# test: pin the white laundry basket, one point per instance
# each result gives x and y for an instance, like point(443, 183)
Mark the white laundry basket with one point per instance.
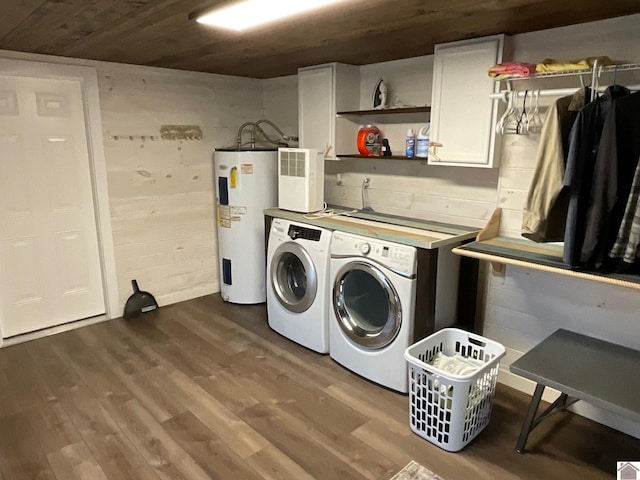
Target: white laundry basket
point(446, 409)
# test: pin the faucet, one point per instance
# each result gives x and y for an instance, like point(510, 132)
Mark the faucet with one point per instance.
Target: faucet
point(365, 184)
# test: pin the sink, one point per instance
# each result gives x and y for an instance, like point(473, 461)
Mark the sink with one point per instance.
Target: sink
point(399, 221)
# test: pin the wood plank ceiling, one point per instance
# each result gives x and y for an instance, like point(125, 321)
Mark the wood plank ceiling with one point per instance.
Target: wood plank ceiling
point(159, 32)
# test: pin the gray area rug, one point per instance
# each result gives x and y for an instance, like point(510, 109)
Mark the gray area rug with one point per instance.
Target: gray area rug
point(415, 471)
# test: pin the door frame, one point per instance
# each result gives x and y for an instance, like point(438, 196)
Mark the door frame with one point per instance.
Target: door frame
point(88, 79)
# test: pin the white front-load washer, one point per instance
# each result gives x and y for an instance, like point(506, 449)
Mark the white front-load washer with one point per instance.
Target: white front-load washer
point(373, 296)
point(297, 283)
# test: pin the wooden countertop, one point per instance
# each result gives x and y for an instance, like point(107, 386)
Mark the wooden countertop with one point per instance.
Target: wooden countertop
point(414, 232)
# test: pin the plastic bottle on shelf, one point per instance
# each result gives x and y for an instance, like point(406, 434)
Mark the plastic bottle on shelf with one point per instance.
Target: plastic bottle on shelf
point(410, 143)
point(422, 142)
point(369, 139)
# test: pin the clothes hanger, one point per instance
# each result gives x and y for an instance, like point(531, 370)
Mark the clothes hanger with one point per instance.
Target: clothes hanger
point(511, 118)
point(523, 120)
point(503, 118)
point(595, 77)
point(535, 121)
point(615, 88)
point(530, 120)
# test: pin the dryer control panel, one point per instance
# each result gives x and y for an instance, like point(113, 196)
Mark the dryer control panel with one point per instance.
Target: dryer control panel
point(392, 255)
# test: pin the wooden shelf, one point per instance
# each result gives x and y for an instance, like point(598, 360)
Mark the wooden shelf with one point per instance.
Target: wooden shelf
point(376, 157)
point(388, 111)
point(547, 257)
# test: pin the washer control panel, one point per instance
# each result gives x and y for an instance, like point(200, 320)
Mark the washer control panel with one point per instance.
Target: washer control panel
point(313, 238)
point(393, 255)
point(298, 231)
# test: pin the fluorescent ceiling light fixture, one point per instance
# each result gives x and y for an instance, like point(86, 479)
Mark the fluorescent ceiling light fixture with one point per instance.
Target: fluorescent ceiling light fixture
point(249, 13)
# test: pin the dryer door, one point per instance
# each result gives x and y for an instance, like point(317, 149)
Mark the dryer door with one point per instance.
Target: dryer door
point(293, 277)
point(367, 305)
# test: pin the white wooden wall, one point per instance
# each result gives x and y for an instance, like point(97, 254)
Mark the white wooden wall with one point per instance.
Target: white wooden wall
point(280, 100)
point(162, 197)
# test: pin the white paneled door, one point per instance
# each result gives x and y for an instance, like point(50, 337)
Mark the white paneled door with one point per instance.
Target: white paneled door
point(50, 270)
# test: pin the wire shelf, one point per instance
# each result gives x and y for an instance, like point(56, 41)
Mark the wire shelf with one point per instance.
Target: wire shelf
point(571, 73)
point(595, 73)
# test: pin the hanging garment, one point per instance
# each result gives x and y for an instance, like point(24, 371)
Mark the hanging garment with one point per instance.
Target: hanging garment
point(584, 140)
point(612, 178)
point(627, 245)
point(545, 210)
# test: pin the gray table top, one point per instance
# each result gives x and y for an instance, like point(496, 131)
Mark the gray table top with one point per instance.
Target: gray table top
point(598, 372)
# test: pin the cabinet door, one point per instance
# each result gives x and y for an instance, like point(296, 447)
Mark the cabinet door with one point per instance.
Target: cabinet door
point(316, 108)
point(462, 114)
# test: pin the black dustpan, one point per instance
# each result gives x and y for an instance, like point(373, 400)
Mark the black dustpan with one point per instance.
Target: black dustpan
point(139, 302)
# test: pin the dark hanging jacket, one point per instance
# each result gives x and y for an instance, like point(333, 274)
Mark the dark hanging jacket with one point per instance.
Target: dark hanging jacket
point(584, 140)
point(613, 174)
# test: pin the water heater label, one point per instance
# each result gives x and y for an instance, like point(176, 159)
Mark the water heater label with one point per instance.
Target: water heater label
point(224, 217)
point(247, 168)
point(238, 210)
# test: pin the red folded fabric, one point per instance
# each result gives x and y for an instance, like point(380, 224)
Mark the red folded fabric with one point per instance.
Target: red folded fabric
point(513, 69)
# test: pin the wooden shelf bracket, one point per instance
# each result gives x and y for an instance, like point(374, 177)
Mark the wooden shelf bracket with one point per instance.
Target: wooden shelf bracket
point(490, 230)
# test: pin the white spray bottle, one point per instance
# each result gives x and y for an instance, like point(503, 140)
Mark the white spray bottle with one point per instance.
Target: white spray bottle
point(422, 142)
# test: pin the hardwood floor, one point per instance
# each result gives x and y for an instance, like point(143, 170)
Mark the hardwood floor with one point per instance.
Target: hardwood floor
point(204, 389)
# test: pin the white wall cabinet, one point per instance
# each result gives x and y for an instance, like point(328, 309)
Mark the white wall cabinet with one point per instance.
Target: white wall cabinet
point(462, 115)
point(323, 90)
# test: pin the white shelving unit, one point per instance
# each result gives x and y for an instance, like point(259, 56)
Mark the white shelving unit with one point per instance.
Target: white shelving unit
point(322, 91)
point(393, 123)
point(462, 118)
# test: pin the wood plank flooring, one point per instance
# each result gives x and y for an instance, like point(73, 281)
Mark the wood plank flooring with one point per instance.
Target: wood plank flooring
point(205, 390)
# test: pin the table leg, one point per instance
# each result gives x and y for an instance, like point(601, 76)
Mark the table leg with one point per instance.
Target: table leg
point(528, 421)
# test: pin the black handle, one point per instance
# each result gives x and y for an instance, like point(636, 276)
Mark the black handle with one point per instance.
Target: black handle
point(134, 284)
point(477, 342)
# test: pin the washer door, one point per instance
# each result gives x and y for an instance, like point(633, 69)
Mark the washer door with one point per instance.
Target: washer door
point(293, 277)
point(367, 305)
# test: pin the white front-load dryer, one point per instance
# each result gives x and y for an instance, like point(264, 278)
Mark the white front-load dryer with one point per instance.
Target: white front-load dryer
point(297, 283)
point(373, 284)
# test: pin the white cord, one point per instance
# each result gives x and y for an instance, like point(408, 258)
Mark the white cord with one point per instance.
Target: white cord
point(326, 212)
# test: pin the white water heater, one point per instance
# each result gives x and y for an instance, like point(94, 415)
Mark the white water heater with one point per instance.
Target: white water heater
point(300, 179)
point(246, 184)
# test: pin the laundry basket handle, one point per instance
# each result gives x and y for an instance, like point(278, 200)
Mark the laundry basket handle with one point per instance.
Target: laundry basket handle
point(477, 342)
